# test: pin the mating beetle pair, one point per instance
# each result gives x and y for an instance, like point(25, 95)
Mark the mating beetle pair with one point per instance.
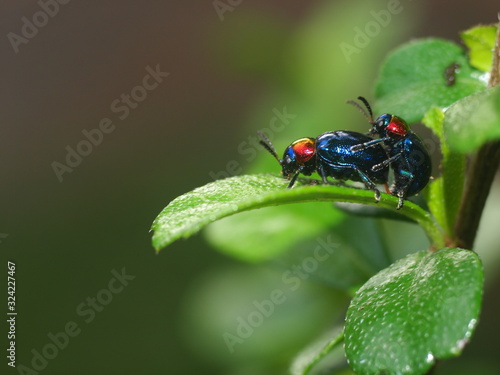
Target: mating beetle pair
point(348, 155)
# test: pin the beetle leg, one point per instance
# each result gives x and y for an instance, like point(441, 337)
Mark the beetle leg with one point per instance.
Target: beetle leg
point(400, 192)
point(321, 172)
point(386, 162)
point(363, 146)
point(369, 183)
point(294, 178)
point(401, 200)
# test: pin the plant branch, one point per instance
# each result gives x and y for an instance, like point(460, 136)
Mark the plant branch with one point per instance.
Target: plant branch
point(495, 69)
point(339, 339)
point(482, 173)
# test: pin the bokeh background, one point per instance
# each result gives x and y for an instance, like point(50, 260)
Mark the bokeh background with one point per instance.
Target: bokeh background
point(228, 69)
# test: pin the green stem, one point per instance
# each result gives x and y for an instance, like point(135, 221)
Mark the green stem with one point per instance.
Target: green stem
point(482, 172)
point(327, 349)
point(495, 69)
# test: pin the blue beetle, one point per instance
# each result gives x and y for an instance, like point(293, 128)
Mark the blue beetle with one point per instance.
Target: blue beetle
point(407, 154)
point(330, 155)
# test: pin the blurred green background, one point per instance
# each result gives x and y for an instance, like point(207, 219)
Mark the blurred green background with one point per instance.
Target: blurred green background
point(231, 67)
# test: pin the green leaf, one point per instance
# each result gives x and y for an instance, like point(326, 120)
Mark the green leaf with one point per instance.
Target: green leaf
point(473, 121)
point(422, 308)
point(262, 234)
point(412, 79)
point(290, 234)
point(445, 192)
point(339, 258)
point(362, 210)
point(480, 41)
point(189, 213)
point(329, 252)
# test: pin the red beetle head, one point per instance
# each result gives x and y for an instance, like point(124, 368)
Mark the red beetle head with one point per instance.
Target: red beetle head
point(390, 126)
point(299, 156)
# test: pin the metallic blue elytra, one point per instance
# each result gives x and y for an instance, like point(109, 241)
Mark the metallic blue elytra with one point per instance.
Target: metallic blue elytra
point(335, 158)
point(407, 154)
point(330, 155)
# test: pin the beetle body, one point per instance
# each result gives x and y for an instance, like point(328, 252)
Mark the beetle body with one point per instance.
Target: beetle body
point(330, 155)
point(408, 155)
point(335, 158)
point(412, 169)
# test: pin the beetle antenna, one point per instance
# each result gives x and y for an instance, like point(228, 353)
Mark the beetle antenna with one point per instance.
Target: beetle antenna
point(266, 143)
point(367, 114)
point(368, 107)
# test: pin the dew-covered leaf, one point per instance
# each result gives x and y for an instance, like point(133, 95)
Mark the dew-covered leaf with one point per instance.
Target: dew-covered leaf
point(189, 213)
point(422, 308)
